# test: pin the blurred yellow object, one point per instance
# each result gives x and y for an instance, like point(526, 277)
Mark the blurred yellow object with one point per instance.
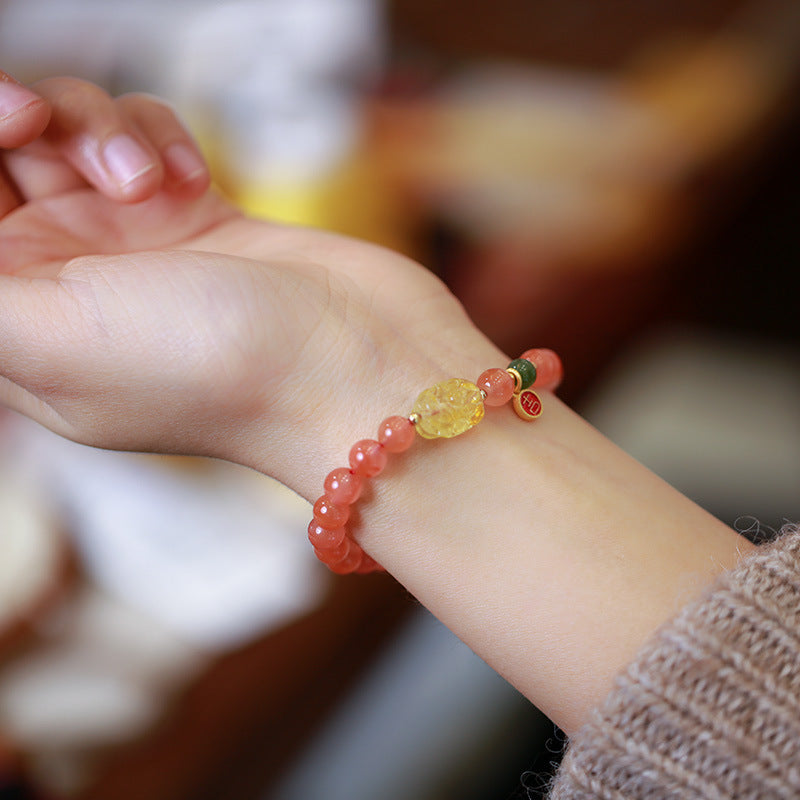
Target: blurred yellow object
point(351, 199)
point(293, 203)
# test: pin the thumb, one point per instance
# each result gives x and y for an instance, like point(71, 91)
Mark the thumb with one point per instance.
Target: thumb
point(33, 326)
point(23, 113)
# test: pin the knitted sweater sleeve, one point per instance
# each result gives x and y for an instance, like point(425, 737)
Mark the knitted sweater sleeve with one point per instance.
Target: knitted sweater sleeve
point(710, 707)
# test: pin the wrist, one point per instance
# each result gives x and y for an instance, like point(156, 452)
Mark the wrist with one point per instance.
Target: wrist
point(305, 428)
point(544, 548)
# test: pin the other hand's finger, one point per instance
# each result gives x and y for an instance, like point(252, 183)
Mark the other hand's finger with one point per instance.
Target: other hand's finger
point(23, 117)
point(185, 170)
point(100, 143)
point(23, 113)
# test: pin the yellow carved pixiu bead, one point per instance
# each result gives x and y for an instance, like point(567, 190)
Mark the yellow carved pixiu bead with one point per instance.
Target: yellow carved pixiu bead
point(448, 409)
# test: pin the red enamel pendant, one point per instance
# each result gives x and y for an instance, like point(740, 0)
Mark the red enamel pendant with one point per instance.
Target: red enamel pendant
point(527, 405)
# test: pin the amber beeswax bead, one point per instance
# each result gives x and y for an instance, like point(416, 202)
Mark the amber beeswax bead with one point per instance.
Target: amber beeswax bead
point(549, 369)
point(448, 409)
point(498, 386)
point(343, 486)
point(396, 434)
point(368, 457)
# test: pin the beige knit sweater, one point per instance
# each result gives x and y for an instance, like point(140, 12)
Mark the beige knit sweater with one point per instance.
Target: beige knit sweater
point(710, 708)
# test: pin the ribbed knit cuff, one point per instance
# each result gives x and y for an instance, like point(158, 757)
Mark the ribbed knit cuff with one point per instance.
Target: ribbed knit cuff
point(710, 707)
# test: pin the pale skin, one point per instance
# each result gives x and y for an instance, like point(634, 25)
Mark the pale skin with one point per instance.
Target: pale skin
point(140, 311)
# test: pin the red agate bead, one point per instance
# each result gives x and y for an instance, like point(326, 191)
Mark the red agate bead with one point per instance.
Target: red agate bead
point(368, 457)
point(325, 538)
point(343, 486)
point(396, 434)
point(350, 563)
point(332, 555)
point(498, 386)
point(549, 369)
point(329, 514)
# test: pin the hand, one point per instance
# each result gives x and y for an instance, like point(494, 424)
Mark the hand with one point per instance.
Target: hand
point(174, 324)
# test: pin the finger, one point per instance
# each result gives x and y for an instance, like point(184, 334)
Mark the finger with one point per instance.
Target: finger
point(23, 117)
point(37, 170)
point(185, 170)
point(23, 113)
point(99, 142)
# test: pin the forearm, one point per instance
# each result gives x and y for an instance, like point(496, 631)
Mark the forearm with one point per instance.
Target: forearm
point(544, 547)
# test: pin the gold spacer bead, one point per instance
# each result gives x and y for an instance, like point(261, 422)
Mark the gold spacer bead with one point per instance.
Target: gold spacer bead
point(517, 379)
point(414, 418)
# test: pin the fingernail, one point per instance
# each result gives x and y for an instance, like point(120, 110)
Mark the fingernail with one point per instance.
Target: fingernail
point(183, 162)
point(13, 98)
point(126, 159)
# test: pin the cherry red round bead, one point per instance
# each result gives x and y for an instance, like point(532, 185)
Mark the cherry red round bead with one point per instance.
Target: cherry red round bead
point(396, 434)
point(332, 555)
point(368, 458)
point(325, 538)
point(343, 486)
point(498, 386)
point(329, 514)
point(549, 369)
point(350, 563)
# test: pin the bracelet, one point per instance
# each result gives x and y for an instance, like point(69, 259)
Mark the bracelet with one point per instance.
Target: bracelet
point(444, 410)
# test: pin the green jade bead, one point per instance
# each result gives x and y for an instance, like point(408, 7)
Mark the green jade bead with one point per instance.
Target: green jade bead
point(526, 370)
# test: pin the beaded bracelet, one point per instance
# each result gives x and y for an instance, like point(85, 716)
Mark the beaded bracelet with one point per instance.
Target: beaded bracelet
point(445, 410)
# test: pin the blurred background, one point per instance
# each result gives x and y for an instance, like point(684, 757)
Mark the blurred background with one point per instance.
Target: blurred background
point(614, 180)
